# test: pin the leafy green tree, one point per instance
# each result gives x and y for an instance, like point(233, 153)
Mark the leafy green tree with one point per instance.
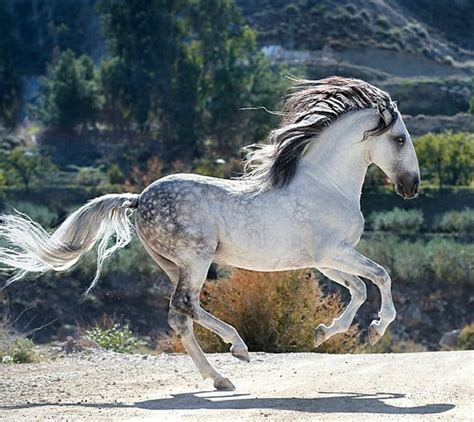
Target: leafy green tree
point(144, 39)
point(446, 158)
point(10, 86)
point(69, 94)
point(235, 75)
point(189, 66)
point(21, 167)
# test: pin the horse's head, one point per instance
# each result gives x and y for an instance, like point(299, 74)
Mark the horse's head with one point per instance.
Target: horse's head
point(393, 151)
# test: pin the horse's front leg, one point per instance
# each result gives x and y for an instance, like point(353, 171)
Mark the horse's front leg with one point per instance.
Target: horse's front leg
point(358, 296)
point(350, 261)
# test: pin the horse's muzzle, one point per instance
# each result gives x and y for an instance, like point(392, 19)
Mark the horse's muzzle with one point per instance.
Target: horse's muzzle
point(408, 186)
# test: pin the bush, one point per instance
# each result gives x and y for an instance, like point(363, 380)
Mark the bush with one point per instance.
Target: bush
point(439, 260)
point(273, 312)
point(452, 262)
point(397, 221)
point(466, 338)
point(116, 337)
point(15, 348)
point(461, 222)
point(38, 213)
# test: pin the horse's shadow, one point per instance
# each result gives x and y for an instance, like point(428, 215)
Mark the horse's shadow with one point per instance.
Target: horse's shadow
point(327, 402)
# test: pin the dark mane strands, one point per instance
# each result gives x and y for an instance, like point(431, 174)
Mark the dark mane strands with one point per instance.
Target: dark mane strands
point(312, 107)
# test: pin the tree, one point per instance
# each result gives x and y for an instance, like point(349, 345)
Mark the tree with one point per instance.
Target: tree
point(188, 66)
point(10, 86)
point(235, 75)
point(69, 94)
point(446, 158)
point(471, 103)
point(145, 39)
point(22, 166)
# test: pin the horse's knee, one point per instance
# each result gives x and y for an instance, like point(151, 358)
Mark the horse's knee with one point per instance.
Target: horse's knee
point(179, 323)
point(185, 303)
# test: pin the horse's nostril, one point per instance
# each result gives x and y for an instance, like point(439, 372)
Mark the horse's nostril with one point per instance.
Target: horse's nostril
point(416, 188)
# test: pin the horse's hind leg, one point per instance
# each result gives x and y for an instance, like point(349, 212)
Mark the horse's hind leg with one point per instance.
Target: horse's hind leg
point(225, 331)
point(183, 327)
point(358, 296)
point(186, 301)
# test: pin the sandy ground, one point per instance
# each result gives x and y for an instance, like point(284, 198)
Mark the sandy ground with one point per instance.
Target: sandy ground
point(300, 386)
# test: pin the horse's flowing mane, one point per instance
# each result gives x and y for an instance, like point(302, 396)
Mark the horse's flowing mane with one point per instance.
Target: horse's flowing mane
point(311, 108)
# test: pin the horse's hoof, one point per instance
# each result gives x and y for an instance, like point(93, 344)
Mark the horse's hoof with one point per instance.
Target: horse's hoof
point(241, 354)
point(223, 384)
point(319, 335)
point(374, 335)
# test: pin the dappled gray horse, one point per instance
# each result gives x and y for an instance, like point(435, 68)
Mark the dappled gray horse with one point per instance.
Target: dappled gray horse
point(296, 206)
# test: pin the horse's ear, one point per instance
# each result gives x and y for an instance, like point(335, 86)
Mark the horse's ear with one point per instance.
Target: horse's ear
point(384, 112)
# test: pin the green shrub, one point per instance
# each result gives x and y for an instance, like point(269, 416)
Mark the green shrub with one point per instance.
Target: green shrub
point(439, 260)
point(411, 262)
point(397, 221)
point(15, 348)
point(466, 337)
point(446, 158)
point(117, 338)
point(457, 221)
point(451, 262)
point(38, 213)
point(115, 174)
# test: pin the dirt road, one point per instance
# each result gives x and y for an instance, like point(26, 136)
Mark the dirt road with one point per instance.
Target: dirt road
point(108, 386)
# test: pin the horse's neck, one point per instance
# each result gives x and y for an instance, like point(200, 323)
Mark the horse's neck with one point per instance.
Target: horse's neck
point(337, 159)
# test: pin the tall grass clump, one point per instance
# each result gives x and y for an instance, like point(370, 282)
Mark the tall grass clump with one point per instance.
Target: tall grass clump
point(397, 221)
point(273, 312)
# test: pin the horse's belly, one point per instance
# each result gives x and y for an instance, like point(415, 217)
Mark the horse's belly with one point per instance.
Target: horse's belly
point(268, 257)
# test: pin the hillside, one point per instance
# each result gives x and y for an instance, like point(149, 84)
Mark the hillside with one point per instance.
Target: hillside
point(279, 387)
point(422, 49)
point(398, 26)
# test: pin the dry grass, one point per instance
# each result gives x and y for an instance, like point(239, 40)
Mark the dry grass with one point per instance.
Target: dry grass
point(273, 312)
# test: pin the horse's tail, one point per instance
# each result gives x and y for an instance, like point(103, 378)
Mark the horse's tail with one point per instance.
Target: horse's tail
point(30, 249)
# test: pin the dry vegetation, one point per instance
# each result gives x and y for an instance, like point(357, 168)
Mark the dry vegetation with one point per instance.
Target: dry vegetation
point(273, 312)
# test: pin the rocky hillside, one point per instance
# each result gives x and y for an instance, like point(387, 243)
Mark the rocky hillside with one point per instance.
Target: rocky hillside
point(399, 26)
point(422, 52)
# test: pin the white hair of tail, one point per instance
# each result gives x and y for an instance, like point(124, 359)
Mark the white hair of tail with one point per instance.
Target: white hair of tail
point(31, 249)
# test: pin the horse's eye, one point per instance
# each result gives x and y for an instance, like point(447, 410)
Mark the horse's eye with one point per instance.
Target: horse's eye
point(400, 140)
